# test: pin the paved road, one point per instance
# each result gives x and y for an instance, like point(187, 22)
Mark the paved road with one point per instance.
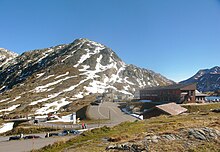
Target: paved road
point(105, 110)
point(29, 144)
point(73, 126)
point(109, 110)
point(5, 138)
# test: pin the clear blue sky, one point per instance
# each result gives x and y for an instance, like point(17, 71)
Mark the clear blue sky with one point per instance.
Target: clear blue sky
point(173, 37)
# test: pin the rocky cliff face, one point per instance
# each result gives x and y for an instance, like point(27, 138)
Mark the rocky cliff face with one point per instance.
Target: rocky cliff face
point(5, 57)
point(45, 80)
point(206, 79)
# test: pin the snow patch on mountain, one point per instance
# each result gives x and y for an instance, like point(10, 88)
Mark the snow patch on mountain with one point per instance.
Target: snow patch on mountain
point(79, 95)
point(56, 76)
point(49, 76)
point(51, 107)
point(40, 75)
point(206, 79)
point(3, 100)
point(15, 99)
point(6, 127)
point(51, 96)
point(10, 108)
point(62, 75)
point(44, 87)
point(6, 56)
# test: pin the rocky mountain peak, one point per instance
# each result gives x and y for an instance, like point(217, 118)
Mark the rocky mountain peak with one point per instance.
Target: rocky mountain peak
point(50, 78)
point(206, 79)
point(215, 70)
point(6, 56)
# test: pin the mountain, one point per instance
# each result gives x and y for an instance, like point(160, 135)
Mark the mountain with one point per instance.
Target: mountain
point(206, 79)
point(5, 57)
point(43, 81)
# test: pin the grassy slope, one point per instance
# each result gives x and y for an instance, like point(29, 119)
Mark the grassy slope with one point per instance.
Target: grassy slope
point(133, 131)
point(201, 107)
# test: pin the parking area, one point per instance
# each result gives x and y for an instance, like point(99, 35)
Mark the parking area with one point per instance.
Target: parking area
point(30, 144)
point(21, 143)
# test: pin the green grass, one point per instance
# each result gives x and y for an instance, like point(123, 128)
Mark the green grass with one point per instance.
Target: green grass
point(206, 147)
point(201, 107)
point(86, 136)
point(128, 131)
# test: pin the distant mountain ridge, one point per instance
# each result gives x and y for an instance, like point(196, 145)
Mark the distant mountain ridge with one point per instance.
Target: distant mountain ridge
point(206, 79)
point(5, 57)
point(42, 81)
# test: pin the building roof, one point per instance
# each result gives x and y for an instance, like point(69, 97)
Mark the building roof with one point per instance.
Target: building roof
point(199, 94)
point(175, 86)
point(171, 108)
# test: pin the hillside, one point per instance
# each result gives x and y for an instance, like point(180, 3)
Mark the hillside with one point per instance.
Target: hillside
point(50, 79)
point(206, 79)
point(6, 57)
point(192, 132)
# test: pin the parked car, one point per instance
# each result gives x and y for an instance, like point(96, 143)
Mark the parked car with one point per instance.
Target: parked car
point(31, 137)
point(15, 138)
point(75, 132)
point(94, 103)
point(51, 134)
point(21, 136)
point(63, 133)
point(67, 132)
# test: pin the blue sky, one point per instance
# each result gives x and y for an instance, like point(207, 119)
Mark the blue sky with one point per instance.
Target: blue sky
point(173, 37)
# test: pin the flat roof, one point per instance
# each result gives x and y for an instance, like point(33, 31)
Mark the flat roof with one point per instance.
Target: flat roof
point(199, 94)
point(171, 108)
point(169, 87)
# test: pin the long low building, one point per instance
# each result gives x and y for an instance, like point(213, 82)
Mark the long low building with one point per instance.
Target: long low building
point(179, 93)
point(164, 109)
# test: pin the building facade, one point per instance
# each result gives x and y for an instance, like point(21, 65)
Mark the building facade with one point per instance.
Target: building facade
point(200, 97)
point(179, 93)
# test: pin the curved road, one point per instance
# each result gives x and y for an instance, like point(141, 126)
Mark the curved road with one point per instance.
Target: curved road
point(109, 110)
point(105, 110)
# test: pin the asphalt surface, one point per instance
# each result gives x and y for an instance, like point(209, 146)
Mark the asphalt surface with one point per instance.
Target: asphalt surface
point(29, 144)
point(107, 110)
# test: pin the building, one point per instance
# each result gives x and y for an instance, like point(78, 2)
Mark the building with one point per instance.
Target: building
point(137, 95)
point(179, 93)
point(200, 97)
point(164, 109)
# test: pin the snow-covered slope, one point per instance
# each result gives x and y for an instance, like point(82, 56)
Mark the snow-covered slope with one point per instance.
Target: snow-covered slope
point(206, 79)
point(43, 81)
point(5, 57)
